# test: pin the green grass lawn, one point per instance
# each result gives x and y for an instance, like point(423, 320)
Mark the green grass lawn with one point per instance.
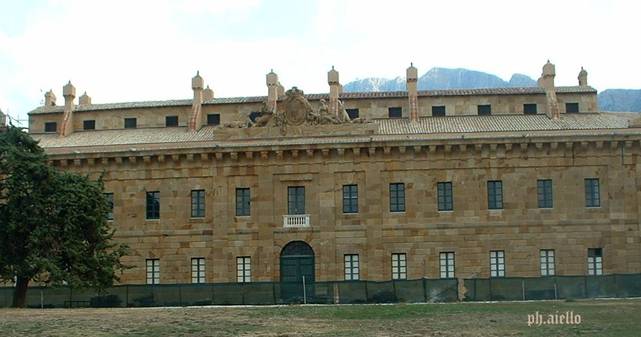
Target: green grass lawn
point(598, 318)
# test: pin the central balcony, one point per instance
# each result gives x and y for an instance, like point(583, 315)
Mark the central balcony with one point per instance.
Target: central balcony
point(296, 220)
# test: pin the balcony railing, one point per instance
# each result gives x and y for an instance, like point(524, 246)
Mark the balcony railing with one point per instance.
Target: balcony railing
point(295, 220)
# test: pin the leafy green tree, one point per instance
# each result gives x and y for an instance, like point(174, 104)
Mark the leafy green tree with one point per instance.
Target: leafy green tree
point(53, 226)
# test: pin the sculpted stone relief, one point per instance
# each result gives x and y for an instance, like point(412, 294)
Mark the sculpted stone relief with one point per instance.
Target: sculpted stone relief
point(295, 110)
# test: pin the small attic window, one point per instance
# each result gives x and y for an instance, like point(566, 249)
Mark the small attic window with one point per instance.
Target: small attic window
point(484, 110)
point(171, 121)
point(213, 119)
point(253, 115)
point(89, 124)
point(529, 109)
point(395, 112)
point(438, 110)
point(352, 113)
point(51, 127)
point(130, 123)
point(571, 107)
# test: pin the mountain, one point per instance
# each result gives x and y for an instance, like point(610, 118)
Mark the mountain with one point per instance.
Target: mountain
point(625, 100)
point(442, 78)
point(620, 100)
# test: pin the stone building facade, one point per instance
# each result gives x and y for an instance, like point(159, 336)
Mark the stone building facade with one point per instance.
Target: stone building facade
point(370, 186)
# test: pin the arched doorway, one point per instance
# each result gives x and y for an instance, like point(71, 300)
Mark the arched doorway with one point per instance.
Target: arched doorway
point(296, 266)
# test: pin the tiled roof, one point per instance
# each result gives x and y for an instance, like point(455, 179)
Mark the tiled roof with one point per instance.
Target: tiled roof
point(314, 97)
point(432, 128)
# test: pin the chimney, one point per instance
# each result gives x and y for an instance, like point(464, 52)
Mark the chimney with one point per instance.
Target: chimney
point(547, 82)
point(208, 94)
point(334, 91)
point(50, 98)
point(583, 78)
point(84, 99)
point(273, 90)
point(412, 92)
point(196, 120)
point(69, 93)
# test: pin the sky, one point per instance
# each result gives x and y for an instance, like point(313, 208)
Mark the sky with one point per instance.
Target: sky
point(136, 50)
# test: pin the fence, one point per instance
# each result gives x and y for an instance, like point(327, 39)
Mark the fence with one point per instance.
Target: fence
point(255, 293)
point(553, 287)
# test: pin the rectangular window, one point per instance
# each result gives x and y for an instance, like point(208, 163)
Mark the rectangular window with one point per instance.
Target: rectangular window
point(51, 127)
point(484, 110)
point(197, 203)
point(153, 205)
point(544, 193)
point(171, 120)
point(444, 194)
point(243, 201)
point(254, 115)
point(497, 263)
point(110, 205)
point(595, 261)
point(397, 197)
point(571, 107)
point(296, 200)
point(399, 266)
point(130, 123)
point(447, 264)
point(592, 194)
point(153, 271)
point(243, 269)
point(350, 198)
point(494, 194)
point(89, 124)
point(213, 119)
point(438, 110)
point(395, 112)
point(529, 109)
point(547, 262)
point(352, 113)
point(198, 270)
point(352, 268)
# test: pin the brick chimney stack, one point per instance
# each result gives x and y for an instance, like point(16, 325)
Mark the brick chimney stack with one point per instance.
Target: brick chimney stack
point(84, 99)
point(412, 92)
point(546, 81)
point(50, 98)
point(208, 94)
point(196, 120)
point(334, 92)
point(69, 93)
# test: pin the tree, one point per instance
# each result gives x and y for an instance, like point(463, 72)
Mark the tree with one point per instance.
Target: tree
point(53, 226)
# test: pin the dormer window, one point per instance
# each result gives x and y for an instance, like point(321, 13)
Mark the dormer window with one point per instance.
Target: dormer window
point(484, 110)
point(51, 126)
point(89, 124)
point(395, 112)
point(438, 110)
point(352, 113)
point(571, 107)
point(213, 119)
point(529, 109)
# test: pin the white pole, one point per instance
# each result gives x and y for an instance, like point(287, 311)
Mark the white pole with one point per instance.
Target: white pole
point(304, 291)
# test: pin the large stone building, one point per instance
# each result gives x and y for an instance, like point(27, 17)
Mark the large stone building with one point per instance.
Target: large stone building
point(372, 186)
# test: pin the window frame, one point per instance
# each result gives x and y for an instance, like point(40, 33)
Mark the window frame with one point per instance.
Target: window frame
point(545, 193)
point(399, 266)
point(497, 263)
point(128, 123)
point(484, 109)
point(49, 125)
point(392, 112)
point(575, 107)
point(170, 120)
point(89, 124)
point(198, 203)
point(213, 119)
point(295, 205)
point(527, 109)
point(109, 196)
point(397, 197)
point(243, 269)
point(444, 196)
point(350, 198)
point(436, 111)
point(152, 270)
point(447, 265)
point(198, 274)
point(353, 113)
point(152, 210)
point(592, 189)
point(595, 261)
point(494, 194)
point(243, 201)
point(351, 263)
point(547, 262)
